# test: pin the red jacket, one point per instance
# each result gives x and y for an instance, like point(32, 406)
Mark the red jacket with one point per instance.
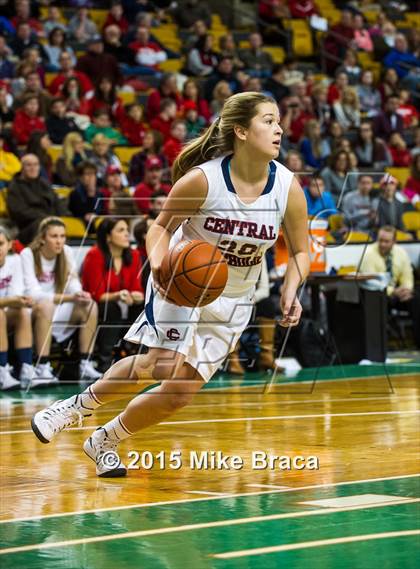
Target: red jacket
point(56, 85)
point(401, 158)
point(111, 21)
point(133, 131)
point(154, 100)
point(203, 108)
point(116, 110)
point(164, 127)
point(24, 125)
point(99, 279)
point(171, 149)
point(302, 8)
point(144, 192)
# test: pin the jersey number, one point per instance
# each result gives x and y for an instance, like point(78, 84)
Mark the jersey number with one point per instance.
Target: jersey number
point(246, 250)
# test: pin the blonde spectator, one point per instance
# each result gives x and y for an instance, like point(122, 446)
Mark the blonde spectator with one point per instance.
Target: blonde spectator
point(347, 109)
point(221, 92)
point(75, 151)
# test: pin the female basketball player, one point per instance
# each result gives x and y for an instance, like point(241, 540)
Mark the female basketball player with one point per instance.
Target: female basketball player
point(228, 190)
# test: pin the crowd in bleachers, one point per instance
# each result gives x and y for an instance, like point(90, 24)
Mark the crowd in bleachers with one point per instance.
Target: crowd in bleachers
point(97, 99)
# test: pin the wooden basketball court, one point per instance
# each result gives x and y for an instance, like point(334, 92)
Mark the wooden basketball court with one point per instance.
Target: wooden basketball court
point(359, 509)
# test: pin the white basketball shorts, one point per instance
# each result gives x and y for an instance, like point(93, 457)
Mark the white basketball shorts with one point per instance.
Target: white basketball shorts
point(206, 335)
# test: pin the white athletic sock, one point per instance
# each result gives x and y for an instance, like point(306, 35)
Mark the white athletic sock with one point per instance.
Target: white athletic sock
point(116, 430)
point(85, 402)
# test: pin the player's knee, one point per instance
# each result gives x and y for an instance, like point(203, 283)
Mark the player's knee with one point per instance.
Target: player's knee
point(176, 401)
point(44, 309)
point(25, 315)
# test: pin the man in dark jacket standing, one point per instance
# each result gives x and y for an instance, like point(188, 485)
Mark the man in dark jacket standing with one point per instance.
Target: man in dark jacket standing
point(30, 199)
point(97, 64)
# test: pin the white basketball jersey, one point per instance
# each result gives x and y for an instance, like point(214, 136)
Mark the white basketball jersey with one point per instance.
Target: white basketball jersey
point(243, 232)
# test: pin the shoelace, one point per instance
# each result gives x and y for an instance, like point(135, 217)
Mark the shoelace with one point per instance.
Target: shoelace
point(106, 445)
point(64, 416)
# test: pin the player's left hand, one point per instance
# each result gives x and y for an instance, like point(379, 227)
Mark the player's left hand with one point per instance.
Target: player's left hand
point(290, 307)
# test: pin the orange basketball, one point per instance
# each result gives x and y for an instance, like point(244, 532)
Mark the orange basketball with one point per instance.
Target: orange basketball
point(194, 273)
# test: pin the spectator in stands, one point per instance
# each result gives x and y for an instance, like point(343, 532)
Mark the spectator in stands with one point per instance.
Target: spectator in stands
point(191, 93)
point(401, 157)
point(147, 54)
point(407, 110)
point(199, 29)
point(152, 146)
point(75, 102)
point(102, 155)
point(111, 273)
point(358, 206)
point(388, 120)
point(9, 163)
point(54, 48)
point(73, 153)
point(335, 135)
point(405, 63)
point(117, 198)
point(337, 177)
point(302, 8)
point(350, 67)
point(23, 15)
point(174, 143)
point(157, 201)
point(189, 11)
point(105, 97)
point(68, 71)
point(97, 64)
point(116, 17)
point(33, 87)
point(390, 209)
point(15, 316)
point(167, 89)
point(151, 184)
point(202, 59)
point(320, 107)
point(6, 64)
point(30, 199)
point(27, 119)
point(81, 27)
point(61, 305)
point(314, 147)
point(372, 152)
point(35, 56)
point(193, 122)
point(274, 84)
point(102, 125)
point(23, 39)
point(86, 200)
point(369, 97)
point(335, 90)
point(224, 72)
point(362, 37)
point(229, 48)
point(221, 93)
point(347, 109)
point(270, 19)
point(39, 144)
point(388, 258)
point(7, 113)
point(294, 162)
point(294, 119)
point(320, 202)
point(163, 122)
point(114, 46)
point(132, 125)
point(54, 20)
point(412, 186)
point(58, 124)
point(390, 84)
point(339, 38)
point(257, 62)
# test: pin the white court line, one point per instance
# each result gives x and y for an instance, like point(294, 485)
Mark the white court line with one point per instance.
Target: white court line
point(191, 527)
point(238, 419)
point(186, 501)
point(243, 404)
point(318, 543)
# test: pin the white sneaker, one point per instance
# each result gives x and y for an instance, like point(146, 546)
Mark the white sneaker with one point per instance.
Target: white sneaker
point(44, 376)
point(7, 380)
point(103, 451)
point(87, 372)
point(27, 376)
point(54, 419)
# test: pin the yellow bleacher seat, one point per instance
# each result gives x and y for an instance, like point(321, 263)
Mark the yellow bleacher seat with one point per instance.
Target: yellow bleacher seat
point(346, 269)
point(336, 221)
point(277, 53)
point(49, 78)
point(330, 238)
point(99, 17)
point(55, 152)
point(401, 174)
point(411, 220)
point(74, 227)
point(413, 18)
point(3, 203)
point(171, 65)
point(403, 236)
point(417, 206)
point(127, 97)
point(358, 237)
point(62, 191)
point(125, 153)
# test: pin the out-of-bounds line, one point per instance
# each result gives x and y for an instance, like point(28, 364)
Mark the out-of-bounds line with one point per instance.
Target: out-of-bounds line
point(185, 501)
point(317, 543)
point(191, 527)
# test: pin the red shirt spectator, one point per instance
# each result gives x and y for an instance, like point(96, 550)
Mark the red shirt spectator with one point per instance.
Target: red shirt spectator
point(105, 98)
point(190, 92)
point(155, 99)
point(151, 184)
point(56, 85)
point(409, 115)
point(27, 120)
point(147, 53)
point(173, 145)
point(116, 18)
point(401, 157)
point(99, 279)
point(302, 8)
point(132, 126)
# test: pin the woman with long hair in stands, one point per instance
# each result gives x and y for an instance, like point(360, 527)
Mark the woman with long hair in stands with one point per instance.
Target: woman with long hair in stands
point(231, 168)
point(61, 305)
